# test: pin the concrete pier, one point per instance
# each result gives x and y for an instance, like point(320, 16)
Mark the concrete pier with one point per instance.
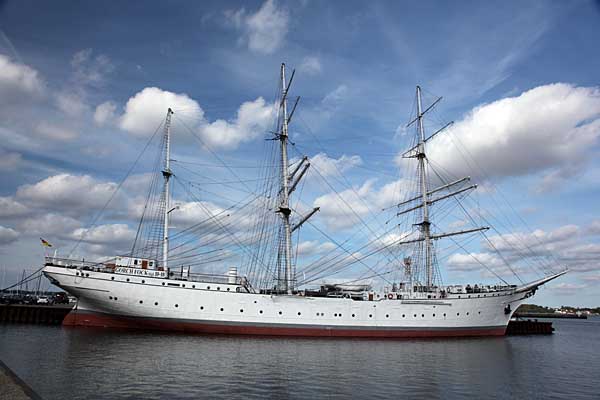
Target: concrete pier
point(12, 387)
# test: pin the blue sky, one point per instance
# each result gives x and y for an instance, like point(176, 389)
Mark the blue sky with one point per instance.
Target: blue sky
point(81, 83)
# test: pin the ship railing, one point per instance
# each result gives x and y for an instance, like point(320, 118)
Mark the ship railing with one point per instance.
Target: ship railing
point(210, 278)
point(76, 264)
point(102, 267)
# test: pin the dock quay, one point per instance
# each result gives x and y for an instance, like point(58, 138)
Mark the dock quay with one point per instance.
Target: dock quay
point(549, 315)
point(34, 314)
point(529, 327)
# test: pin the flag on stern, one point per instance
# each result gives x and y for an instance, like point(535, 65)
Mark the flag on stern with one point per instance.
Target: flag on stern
point(45, 243)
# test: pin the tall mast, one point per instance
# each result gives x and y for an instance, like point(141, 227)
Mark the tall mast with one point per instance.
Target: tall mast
point(428, 197)
point(167, 175)
point(284, 207)
point(425, 224)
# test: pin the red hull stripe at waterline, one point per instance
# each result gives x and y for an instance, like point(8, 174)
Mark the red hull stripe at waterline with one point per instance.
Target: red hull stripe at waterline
point(94, 319)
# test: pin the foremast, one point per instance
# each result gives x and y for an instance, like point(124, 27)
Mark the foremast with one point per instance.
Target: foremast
point(166, 173)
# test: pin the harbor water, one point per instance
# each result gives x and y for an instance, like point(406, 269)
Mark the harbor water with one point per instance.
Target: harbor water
point(85, 363)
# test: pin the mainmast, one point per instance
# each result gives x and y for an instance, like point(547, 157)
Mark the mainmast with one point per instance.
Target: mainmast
point(284, 207)
point(425, 224)
point(167, 175)
point(289, 182)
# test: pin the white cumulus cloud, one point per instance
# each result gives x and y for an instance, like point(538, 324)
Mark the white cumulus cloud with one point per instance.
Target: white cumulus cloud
point(263, 31)
point(70, 193)
point(347, 208)
point(20, 77)
point(550, 128)
point(145, 110)
point(252, 120)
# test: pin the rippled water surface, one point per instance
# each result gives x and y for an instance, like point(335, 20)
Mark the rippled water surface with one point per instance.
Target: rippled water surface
point(65, 363)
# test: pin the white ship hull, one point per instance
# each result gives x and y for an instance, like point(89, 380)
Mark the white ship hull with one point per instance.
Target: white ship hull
point(126, 301)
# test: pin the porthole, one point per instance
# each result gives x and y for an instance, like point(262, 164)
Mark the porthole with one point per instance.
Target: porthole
point(387, 315)
point(127, 279)
point(299, 313)
point(469, 296)
point(156, 303)
point(478, 312)
point(141, 302)
point(459, 297)
point(457, 314)
point(202, 307)
point(241, 310)
point(163, 284)
point(112, 278)
point(208, 288)
point(370, 315)
point(76, 273)
point(403, 315)
point(183, 285)
point(485, 295)
point(143, 281)
point(176, 305)
point(322, 314)
point(228, 289)
point(221, 309)
point(116, 298)
point(467, 313)
point(261, 311)
point(87, 275)
point(218, 288)
point(340, 315)
point(335, 315)
point(444, 314)
point(318, 314)
point(353, 315)
point(110, 297)
point(193, 286)
point(415, 315)
point(434, 315)
point(254, 301)
point(280, 313)
point(422, 315)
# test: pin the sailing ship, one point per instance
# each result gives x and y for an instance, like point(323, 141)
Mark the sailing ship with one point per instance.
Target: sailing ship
point(147, 289)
